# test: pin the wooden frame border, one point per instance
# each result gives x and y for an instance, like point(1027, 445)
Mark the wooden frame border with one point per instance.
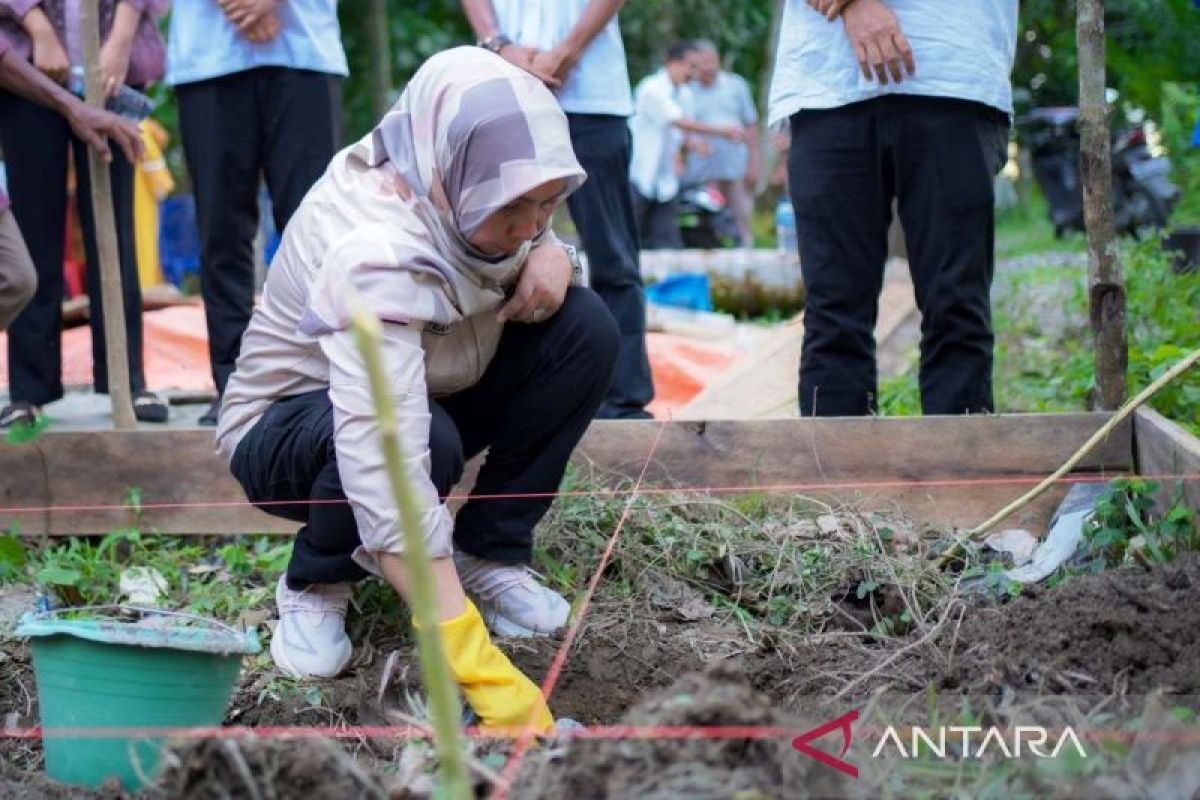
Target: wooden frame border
point(937, 469)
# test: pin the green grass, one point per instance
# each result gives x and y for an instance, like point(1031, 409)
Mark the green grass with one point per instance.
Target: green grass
point(1025, 229)
point(1044, 367)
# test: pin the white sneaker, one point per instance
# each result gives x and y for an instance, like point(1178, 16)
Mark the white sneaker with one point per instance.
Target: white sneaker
point(310, 640)
point(510, 599)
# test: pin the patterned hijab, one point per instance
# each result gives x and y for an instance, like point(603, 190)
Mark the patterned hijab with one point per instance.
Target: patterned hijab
point(470, 134)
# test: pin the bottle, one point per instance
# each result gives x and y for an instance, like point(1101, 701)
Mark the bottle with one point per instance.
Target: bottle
point(785, 227)
point(127, 102)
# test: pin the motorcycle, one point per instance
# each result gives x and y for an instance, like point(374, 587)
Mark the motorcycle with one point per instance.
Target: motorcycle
point(705, 220)
point(1143, 194)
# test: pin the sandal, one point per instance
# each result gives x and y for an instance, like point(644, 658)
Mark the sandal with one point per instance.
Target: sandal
point(147, 407)
point(19, 413)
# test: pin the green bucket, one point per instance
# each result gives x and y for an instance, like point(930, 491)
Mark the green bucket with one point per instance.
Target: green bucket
point(106, 683)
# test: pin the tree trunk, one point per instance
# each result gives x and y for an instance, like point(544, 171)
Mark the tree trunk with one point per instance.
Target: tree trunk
point(1106, 286)
point(112, 299)
point(381, 57)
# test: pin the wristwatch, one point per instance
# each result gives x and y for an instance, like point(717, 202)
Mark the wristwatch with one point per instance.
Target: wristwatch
point(494, 43)
point(577, 276)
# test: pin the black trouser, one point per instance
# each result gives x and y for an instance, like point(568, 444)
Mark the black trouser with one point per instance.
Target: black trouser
point(602, 210)
point(937, 157)
point(658, 222)
point(278, 122)
point(36, 141)
point(531, 407)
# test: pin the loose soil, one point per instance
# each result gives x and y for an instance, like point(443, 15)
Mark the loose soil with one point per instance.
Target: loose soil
point(1129, 631)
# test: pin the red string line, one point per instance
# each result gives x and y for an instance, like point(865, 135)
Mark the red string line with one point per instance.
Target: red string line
point(560, 658)
point(595, 732)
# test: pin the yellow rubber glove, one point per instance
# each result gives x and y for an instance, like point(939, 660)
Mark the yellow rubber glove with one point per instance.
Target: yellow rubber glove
point(499, 692)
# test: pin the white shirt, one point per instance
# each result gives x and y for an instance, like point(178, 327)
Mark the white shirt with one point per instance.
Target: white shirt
point(962, 49)
point(657, 104)
point(599, 83)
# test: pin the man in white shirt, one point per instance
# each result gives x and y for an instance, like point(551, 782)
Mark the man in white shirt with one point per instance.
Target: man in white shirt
point(723, 98)
point(906, 101)
point(663, 112)
point(575, 47)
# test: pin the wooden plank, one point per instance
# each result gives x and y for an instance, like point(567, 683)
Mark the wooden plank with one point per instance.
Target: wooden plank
point(763, 385)
point(931, 468)
point(74, 470)
point(1164, 448)
point(826, 457)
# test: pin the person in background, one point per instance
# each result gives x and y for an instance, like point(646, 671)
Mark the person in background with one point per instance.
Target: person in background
point(723, 99)
point(661, 117)
point(151, 184)
point(905, 101)
point(258, 91)
point(36, 141)
point(575, 48)
point(18, 278)
point(438, 223)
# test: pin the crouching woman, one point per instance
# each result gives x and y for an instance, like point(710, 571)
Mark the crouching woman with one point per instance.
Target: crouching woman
point(438, 222)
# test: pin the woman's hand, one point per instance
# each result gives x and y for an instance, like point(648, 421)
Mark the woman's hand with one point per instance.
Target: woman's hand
point(48, 53)
point(115, 52)
point(502, 696)
point(114, 64)
point(542, 286)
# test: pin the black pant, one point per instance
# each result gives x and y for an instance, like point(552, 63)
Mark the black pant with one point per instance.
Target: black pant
point(602, 210)
point(658, 222)
point(35, 142)
point(937, 157)
point(531, 407)
point(278, 122)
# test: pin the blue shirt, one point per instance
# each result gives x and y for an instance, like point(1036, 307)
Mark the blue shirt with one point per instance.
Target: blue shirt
point(203, 44)
point(599, 84)
point(962, 50)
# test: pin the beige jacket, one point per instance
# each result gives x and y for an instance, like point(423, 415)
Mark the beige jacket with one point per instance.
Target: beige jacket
point(351, 216)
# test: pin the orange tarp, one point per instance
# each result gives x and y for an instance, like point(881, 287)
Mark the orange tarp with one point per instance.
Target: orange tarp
point(682, 367)
point(176, 353)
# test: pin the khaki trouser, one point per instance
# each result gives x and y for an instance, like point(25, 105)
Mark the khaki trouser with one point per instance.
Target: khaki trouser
point(17, 278)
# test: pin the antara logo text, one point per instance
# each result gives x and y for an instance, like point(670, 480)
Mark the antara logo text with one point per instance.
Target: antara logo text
point(975, 741)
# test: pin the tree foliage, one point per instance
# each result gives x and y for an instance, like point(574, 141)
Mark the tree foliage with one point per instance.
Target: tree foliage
point(1149, 42)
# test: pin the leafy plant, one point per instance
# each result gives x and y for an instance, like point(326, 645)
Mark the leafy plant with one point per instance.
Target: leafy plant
point(1043, 354)
point(1124, 525)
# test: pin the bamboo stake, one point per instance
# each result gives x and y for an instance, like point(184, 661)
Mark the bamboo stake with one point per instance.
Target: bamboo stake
point(444, 705)
point(1184, 364)
point(104, 223)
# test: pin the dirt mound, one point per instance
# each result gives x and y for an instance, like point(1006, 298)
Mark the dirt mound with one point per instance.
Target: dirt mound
point(699, 769)
point(314, 769)
point(1131, 629)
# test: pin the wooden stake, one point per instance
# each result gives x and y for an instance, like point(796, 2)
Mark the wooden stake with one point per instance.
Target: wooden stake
point(1106, 285)
point(104, 222)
